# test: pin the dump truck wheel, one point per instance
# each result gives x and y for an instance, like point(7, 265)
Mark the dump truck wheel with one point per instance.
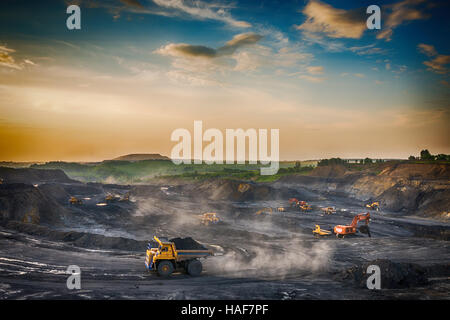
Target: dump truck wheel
point(194, 268)
point(165, 268)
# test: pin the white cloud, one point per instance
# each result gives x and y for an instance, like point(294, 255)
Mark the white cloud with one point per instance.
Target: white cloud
point(312, 78)
point(315, 70)
point(439, 61)
point(203, 10)
point(398, 13)
point(335, 23)
point(8, 61)
point(427, 49)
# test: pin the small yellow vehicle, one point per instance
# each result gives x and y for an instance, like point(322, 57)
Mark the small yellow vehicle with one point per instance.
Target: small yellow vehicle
point(328, 210)
point(264, 210)
point(319, 232)
point(125, 198)
point(209, 217)
point(373, 206)
point(75, 201)
point(305, 207)
point(110, 198)
point(166, 258)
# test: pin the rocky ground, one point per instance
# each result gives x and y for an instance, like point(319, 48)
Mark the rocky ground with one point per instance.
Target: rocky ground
point(266, 256)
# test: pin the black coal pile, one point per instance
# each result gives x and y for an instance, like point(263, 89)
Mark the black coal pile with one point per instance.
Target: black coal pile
point(187, 244)
point(28, 175)
point(394, 275)
point(23, 202)
point(79, 239)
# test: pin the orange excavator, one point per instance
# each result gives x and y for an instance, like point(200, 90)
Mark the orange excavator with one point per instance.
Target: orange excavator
point(294, 202)
point(342, 230)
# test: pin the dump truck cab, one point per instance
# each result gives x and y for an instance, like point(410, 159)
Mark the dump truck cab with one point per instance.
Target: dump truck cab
point(166, 258)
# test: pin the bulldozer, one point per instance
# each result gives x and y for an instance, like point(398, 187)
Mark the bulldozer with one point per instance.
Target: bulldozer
point(320, 232)
point(209, 217)
point(264, 210)
point(166, 258)
point(373, 206)
point(75, 201)
point(343, 230)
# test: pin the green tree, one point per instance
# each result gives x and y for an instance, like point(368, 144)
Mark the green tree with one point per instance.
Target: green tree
point(411, 158)
point(443, 157)
point(426, 155)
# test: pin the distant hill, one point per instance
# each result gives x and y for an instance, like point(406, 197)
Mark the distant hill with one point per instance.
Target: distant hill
point(141, 156)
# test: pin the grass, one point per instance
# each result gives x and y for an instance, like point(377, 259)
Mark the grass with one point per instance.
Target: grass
point(125, 172)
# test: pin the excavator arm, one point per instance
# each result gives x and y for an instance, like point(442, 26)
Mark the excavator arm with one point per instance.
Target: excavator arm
point(361, 217)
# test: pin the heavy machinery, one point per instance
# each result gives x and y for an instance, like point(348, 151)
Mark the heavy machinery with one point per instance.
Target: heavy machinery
point(125, 198)
point(111, 198)
point(373, 206)
point(319, 232)
point(75, 201)
point(243, 187)
point(343, 230)
point(328, 210)
point(294, 202)
point(166, 258)
point(209, 217)
point(305, 207)
point(264, 210)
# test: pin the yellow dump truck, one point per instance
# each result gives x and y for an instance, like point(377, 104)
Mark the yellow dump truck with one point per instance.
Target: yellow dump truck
point(75, 201)
point(209, 217)
point(125, 197)
point(166, 258)
point(305, 207)
point(110, 198)
point(373, 206)
point(328, 210)
point(264, 210)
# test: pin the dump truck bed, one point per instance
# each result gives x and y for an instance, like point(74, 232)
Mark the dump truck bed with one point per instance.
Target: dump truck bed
point(192, 254)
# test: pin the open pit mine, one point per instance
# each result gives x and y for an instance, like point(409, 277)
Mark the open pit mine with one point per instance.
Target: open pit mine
point(309, 236)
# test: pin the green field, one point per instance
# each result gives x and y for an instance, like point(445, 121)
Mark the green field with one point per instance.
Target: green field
point(127, 172)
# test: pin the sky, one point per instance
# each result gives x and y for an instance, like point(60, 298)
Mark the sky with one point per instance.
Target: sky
point(139, 69)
